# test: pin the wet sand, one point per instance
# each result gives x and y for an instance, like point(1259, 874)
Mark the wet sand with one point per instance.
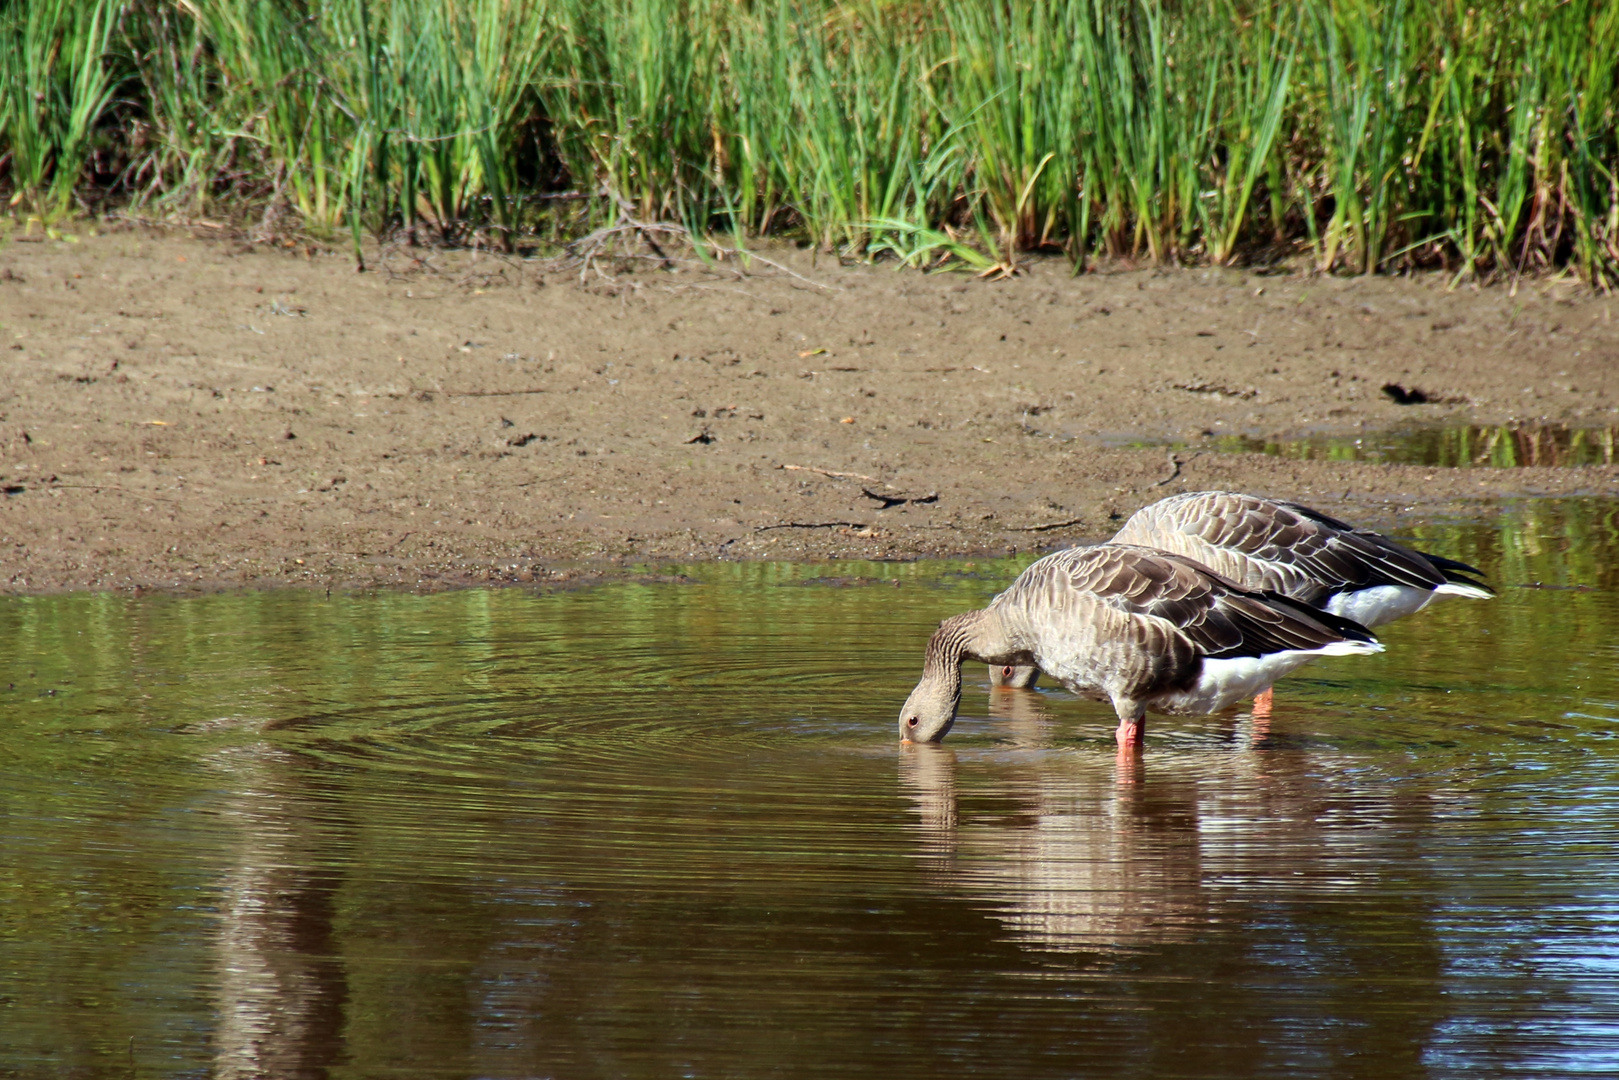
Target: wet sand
point(185, 413)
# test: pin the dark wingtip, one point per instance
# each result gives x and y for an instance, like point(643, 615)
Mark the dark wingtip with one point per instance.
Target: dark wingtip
point(1348, 629)
point(1455, 578)
point(1458, 573)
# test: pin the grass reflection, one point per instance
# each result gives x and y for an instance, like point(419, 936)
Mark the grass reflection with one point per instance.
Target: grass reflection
point(1504, 446)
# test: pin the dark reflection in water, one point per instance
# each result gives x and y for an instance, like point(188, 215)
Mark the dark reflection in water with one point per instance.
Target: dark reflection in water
point(281, 988)
point(1073, 855)
point(1232, 863)
point(657, 830)
point(1501, 446)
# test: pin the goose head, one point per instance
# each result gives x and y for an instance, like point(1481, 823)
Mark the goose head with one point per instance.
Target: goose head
point(1013, 676)
point(930, 710)
point(976, 635)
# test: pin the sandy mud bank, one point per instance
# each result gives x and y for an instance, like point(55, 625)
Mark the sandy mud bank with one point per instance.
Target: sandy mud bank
point(180, 413)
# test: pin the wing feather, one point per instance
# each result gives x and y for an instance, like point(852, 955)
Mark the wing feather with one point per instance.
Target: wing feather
point(1283, 546)
point(1217, 616)
point(1459, 573)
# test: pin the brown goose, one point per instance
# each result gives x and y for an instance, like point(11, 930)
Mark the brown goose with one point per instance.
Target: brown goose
point(1141, 628)
point(1294, 550)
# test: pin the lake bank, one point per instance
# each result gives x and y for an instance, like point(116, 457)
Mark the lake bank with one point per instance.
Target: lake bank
point(188, 414)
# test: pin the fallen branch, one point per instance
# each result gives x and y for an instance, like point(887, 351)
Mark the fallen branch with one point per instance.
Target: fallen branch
point(110, 487)
point(1049, 527)
point(899, 500)
point(812, 525)
point(492, 393)
point(773, 265)
point(829, 472)
point(589, 248)
point(1175, 470)
point(1175, 467)
point(1216, 389)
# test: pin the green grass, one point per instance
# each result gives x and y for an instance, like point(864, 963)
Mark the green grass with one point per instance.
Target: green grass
point(55, 85)
point(1366, 135)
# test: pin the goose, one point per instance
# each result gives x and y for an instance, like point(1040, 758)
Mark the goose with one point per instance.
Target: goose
point(1142, 628)
point(1294, 550)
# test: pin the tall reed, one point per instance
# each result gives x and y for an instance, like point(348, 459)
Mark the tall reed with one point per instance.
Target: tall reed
point(1479, 135)
point(856, 150)
point(178, 154)
point(56, 81)
point(1016, 94)
point(436, 93)
point(632, 96)
point(1255, 64)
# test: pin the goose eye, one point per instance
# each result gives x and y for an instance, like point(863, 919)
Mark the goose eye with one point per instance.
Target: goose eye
point(910, 721)
point(1006, 672)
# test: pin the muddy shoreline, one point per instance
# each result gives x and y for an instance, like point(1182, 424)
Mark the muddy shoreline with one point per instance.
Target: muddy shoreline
point(185, 414)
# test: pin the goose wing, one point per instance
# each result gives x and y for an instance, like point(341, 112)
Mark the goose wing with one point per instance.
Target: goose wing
point(1163, 594)
point(1395, 557)
point(1280, 545)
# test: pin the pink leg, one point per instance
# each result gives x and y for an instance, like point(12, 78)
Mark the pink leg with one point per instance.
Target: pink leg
point(1132, 726)
point(1261, 724)
point(1130, 771)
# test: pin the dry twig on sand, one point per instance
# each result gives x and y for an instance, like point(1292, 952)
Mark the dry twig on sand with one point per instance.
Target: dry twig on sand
point(1048, 527)
point(811, 525)
point(829, 472)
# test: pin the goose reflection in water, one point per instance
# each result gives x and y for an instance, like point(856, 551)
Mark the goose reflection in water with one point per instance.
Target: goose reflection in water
point(1022, 717)
point(1070, 859)
point(1079, 853)
point(281, 990)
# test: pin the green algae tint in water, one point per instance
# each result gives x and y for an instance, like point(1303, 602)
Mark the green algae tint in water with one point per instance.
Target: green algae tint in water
point(665, 830)
point(1502, 446)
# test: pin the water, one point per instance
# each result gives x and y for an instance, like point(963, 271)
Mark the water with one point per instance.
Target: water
point(1459, 446)
point(665, 830)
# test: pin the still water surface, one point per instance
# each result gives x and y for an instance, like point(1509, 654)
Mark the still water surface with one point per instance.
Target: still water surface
point(653, 830)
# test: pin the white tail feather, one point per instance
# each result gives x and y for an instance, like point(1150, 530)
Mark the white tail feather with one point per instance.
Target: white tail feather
point(1223, 681)
point(1348, 648)
point(1456, 588)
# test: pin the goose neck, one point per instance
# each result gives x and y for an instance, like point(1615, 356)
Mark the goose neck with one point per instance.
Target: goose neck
point(974, 635)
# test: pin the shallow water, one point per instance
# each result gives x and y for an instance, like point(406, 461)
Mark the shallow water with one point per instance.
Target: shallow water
point(659, 830)
point(1504, 446)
